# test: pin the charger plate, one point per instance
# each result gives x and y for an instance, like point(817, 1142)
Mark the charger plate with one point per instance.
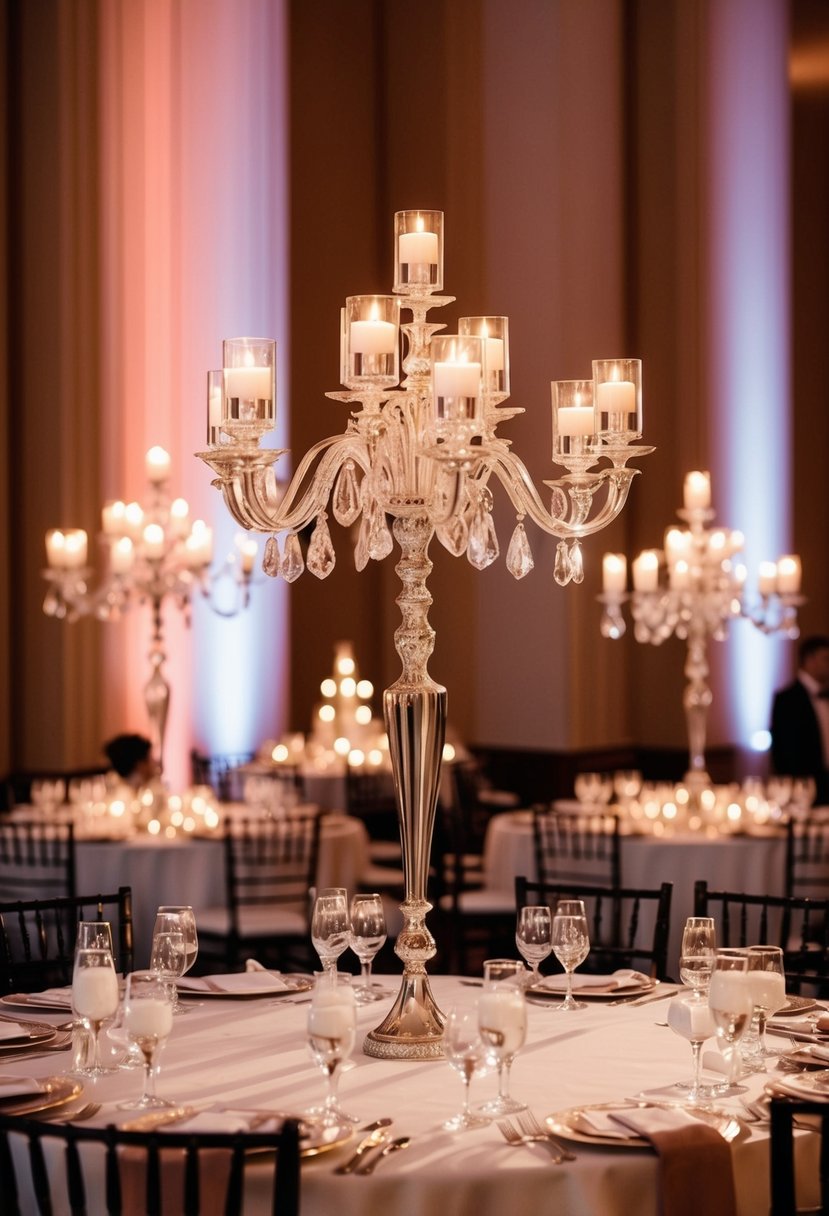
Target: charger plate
point(33, 1034)
point(53, 1091)
point(289, 985)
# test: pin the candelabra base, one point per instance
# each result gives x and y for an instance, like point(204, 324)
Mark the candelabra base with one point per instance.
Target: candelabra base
point(413, 1027)
point(697, 780)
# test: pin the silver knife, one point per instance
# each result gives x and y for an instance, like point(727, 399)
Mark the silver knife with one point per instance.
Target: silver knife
point(373, 1140)
point(393, 1146)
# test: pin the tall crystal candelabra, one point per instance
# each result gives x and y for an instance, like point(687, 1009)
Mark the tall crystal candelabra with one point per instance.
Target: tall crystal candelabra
point(424, 453)
point(155, 554)
point(702, 590)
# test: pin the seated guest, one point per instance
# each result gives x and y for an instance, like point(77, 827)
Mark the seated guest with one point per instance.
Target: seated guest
point(131, 758)
point(800, 719)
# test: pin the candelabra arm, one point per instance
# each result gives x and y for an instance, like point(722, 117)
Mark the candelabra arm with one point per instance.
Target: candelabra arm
point(157, 690)
point(415, 714)
point(697, 700)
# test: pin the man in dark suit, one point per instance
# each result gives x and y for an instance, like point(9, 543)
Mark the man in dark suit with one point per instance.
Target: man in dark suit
point(800, 719)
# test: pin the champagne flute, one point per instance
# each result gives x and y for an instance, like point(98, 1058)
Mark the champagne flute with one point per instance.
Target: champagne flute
point(329, 926)
point(466, 1051)
point(696, 959)
point(148, 1018)
point(767, 981)
point(94, 935)
point(690, 1017)
point(169, 952)
point(367, 932)
point(502, 1023)
point(332, 1029)
point(94, 999)
point(534, 937)
point(571, 945)
point(730, 1002)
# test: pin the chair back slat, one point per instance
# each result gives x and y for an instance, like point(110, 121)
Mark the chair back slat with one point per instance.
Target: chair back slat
point(807, 857)
point(581, 846)
point(37, 860)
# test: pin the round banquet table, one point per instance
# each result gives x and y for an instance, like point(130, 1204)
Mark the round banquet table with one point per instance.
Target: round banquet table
point(191, 870)
point(730, 863)
point(252, 1054)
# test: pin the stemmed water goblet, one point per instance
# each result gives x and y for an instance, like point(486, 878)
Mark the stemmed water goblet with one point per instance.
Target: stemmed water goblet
point(148, 1018)
point(187, 917)
point(571, 944)
point(332, 1029)
point(330, 926)
point(696, 958)
point(94, 999)
point(366, 934)
point(690, 1017)
point(534, 937)
point(767, 982)
point(730, 1003)
point(502, 1024)
point(466, 1051)
point(168, 957)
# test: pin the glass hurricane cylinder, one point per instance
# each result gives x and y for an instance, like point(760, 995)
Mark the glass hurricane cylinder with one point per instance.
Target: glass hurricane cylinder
point(248, 386)
point(458, 363)
point(370, 342)
point(574, 424)
point(418, 252)
point(618, 396)
point(495, 332)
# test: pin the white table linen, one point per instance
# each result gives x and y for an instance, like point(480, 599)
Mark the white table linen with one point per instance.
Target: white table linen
point(253, 1054)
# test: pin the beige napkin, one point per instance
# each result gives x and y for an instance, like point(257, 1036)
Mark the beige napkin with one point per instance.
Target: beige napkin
point(624, 978)
point(13, 1030)
point(695, 1173)
point(19, 1087)
point(234, 983)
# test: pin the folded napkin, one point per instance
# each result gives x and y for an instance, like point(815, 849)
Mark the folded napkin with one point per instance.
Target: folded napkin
point(695, 1173)
point(13, 1030)
point(600, 1123)
point(624, 978)
point(819, 1053)
point(19, 1087)
point(55, 998)
point(233, 984)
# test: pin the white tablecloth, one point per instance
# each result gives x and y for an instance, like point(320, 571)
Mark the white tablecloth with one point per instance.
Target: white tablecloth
point(253, 1053)
point(734, 863)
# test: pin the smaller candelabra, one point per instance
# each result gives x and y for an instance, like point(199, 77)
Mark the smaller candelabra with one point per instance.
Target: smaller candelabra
point(154, 553)
point(703, 588)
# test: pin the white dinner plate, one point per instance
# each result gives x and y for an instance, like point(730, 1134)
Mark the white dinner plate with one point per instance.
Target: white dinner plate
point(573, 1124)
point(50, 1092)
point(812, 1085)
point(288, 985)
point(29, 1002)
point(621, 992)
point(796, 1005)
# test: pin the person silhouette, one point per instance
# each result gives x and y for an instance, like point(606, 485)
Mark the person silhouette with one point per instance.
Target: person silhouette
point(800, 719)
point(132, 759)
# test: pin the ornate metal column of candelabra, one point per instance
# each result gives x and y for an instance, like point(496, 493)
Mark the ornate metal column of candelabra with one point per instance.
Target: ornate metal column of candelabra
point(423, 453)
point(154, 555)
point(705, 590)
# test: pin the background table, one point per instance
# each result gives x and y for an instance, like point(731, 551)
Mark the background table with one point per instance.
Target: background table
point(731, 863)
point(253, 1054)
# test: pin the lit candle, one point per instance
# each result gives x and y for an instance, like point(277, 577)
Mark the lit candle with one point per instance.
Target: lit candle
point(373, 337)
point(617, 399)
point(248, 383)
point(248, 550)
point(457, 379)
point(199, 544)
point(767, 578)
point(696, 491)
point(112, 518)
point(179, 512)
point(153, 542)
point(133, 520)
point(614, 573)
point(121, 556)
point(646, 570)
point(55, 548)
point(679, 575)
point(788, 575)
point(677, 544)
point(494, 350)
point(74, 548)
point(576, 420)
point(157, 464)
point(417, 251)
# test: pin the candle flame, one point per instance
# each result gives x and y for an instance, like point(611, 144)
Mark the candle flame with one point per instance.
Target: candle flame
point(419, 224)
point(375, 312)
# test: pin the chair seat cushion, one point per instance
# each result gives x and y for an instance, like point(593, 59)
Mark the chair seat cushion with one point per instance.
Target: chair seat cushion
point(254, 921)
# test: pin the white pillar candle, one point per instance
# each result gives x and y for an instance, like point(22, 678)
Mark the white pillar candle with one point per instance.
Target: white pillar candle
point(55, 546)
point(248, 383)
point(677, 545)
point(614, 397)
point(112, 518)
point(576, 420)
point(679, 575)
point(179, 513)
point(494, 354)
point(153, 541)
point(646, 571)
point(248, 550)
point(121, 556)
point(214, 407)
point(614, 573)
point(788, 575)
point(373, 337)
point(696, 491)
point(157, 464)
point(457, 379)
point(417, 249)
point(133, 520)
point(199, 544)
point(767, 578)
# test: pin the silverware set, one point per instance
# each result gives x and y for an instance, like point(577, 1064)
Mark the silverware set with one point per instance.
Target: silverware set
point(530, 1131)
point(372, 1149)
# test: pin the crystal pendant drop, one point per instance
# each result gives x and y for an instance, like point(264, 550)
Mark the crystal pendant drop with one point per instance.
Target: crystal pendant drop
point(292, 562)
point(321, 555)
point(558, 503)
point(561, 569)
point(380, 542)
point(361, 549)
point(576, 563)
point(483, 549)
point(519, 555)
point(454, 535)
point(346, 500)
point(270, 559)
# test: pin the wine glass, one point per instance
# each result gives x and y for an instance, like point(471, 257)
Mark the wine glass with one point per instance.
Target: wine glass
point(94, 998)
point(690, 1017)
point(466, 1051)
point(94, 935)
point(767, 981)
point(332, 1029)
point(534, 937)
point(148, 1018)
point(502, 1023)
point(168, 957)
point(571, 945)
point(188, 923)
point(730, 1002)
point(329, 926)
point(367, 932)
point(696, 958)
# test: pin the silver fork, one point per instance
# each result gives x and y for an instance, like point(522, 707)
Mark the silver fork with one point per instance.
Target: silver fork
point(513, 1136)
point(531, 1127)
point(75, 1116)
